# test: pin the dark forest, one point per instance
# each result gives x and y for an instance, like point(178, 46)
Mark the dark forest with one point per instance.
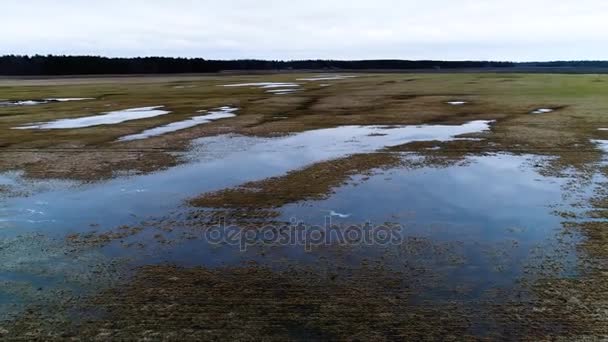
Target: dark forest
point(94, 65)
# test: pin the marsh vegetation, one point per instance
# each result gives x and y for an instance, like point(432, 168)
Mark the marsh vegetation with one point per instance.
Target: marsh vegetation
point(497, 182)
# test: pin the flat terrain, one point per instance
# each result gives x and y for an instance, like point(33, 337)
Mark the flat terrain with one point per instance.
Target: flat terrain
point(498, 178)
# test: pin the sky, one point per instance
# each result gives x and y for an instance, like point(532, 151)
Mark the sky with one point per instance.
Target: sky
point(510, 30)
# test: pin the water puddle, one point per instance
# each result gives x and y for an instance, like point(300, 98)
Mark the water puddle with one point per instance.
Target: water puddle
point(467, 223)
point(476, 204)
point(327, 78)
point(264, 85)
point(601, 144)
point(109, 118)
point(69, 99)
point(214, 115)
point(282, 91)
point(475, 222)
point(215, 163)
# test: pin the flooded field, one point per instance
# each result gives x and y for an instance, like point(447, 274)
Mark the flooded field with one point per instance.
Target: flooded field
point(350, 207)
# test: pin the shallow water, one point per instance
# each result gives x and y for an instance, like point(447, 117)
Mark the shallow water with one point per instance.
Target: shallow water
point(481, 218)
point(69, 99)
point(217, 162)
point(326, 78)
point(214, 115)
point(282, 91)
point(109, 118)
point(601, 144)
point(495, 210)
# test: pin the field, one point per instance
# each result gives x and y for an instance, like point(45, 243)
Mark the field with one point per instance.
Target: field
point(492, 187)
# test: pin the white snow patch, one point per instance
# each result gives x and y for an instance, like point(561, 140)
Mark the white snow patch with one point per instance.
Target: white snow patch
point(457, 103)
point(7, 103)
point(108, 118)
point(68, 99)
point(326, 78)
point(542, 111)
point(217, 114)
point(264, 85)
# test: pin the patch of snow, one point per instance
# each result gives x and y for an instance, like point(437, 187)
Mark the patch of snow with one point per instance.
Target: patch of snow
point(217, 114)
point(108, 118)
point(264, 85)
point(68, 99)
point(326, 78)
point(542, 111)
point(457, 103)
point(8, 103)
point(275, 91)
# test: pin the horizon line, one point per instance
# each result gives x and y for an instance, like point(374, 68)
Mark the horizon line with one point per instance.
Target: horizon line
point(302, 59)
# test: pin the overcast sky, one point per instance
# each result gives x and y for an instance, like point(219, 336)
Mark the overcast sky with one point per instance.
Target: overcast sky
point(518, 30)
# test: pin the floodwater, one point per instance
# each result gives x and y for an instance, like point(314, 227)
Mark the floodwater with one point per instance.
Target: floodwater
point(215, 163)
point(108, 118)
point(488, 212)
point(214, 115)
point(264, 85)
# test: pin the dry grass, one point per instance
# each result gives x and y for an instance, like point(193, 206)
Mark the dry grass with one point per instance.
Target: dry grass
point(168, 302)
point(370, 99)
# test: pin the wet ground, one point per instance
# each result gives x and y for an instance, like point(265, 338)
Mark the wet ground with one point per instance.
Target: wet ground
point(361, 231)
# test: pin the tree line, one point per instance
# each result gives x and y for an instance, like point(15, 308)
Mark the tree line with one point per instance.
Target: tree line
point(83, 65)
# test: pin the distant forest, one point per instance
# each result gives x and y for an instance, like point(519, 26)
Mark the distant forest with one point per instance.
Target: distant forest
point(90, 65)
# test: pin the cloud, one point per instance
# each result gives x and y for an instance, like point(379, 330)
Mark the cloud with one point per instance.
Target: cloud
point(345, 29)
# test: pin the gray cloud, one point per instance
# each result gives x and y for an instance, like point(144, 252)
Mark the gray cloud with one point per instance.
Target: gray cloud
point(344, 29)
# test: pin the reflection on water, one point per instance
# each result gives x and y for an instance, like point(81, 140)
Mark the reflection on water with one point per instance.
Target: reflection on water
point(495, 209)
point(474, 223)
point(217, 162)
point(264, 85)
